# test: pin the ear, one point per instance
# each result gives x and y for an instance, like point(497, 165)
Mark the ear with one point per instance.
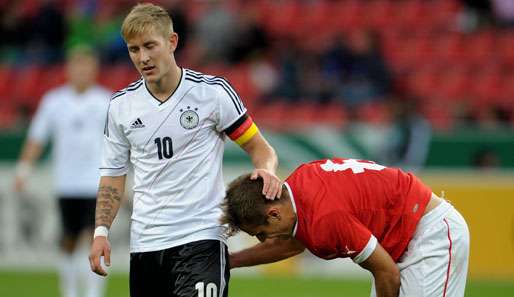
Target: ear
point(173, 41)
point(273, 214)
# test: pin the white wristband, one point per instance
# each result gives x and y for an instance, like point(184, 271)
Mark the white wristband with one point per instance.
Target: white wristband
point(23, 169)
point(101, 231)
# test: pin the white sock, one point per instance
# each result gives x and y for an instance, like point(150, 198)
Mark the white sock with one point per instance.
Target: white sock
point(94, 284)
point(68, 278)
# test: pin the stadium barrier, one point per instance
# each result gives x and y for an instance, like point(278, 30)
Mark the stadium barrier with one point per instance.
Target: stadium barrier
point(29, 225)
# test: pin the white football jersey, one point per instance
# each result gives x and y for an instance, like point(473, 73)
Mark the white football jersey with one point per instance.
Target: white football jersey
point(176, 149)
point(75, 123)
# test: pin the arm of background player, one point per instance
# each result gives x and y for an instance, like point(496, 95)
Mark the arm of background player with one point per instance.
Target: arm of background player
point(265, 162)
point(385, 271)
point(108, 201)
point(269, 251)
point(31, 152)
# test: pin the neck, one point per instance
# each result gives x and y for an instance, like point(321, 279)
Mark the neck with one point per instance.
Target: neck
point(165, 86)
point(80, 88)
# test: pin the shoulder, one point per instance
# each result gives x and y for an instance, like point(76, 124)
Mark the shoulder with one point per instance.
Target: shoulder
point(216, 83)
point(101, 91)
point(125, 92)
point(56, 96)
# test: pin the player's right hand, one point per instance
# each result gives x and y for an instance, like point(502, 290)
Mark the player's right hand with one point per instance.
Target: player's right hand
point(100, 247)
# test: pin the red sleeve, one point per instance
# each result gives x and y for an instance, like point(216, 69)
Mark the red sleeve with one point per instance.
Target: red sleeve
point(341, 235)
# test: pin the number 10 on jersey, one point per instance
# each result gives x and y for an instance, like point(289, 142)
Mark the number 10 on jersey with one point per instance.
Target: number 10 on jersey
point(164, 147)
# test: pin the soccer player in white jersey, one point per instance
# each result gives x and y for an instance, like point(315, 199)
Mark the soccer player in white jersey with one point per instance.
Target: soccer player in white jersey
point(171, 127)
point(73, 117)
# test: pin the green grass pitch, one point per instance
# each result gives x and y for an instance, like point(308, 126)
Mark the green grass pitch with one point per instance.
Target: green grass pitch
point(44, 284)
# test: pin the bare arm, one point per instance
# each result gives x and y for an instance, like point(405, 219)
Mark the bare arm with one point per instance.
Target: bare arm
point(262, 154)
point(269, 251)
point(385, 271)
point(30, 153)
point(265, 161)
point(108, 201)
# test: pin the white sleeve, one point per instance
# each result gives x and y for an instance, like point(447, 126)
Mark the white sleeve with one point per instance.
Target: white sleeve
point(367, 250)
point(116, 148)
point(41, 126)
point(230, 105)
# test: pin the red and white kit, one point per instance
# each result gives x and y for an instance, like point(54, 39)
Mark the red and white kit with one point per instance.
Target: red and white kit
point(345, 206)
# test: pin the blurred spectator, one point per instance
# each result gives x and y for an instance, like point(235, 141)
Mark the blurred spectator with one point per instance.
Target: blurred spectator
point(175, 9)
point(504, 12)
point(73, 117)
point(23, 43)
point(486, 159)
point(250, 38)
point(47, 42)
point(476, 14)
point(215, 33)
point(408, 144)
point(356, 69)
point(286, 59)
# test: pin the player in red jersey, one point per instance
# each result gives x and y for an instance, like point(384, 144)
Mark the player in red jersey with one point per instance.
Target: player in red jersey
point(387, 221)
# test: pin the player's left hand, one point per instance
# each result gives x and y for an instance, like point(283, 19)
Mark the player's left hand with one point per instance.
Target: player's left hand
point(272, 184)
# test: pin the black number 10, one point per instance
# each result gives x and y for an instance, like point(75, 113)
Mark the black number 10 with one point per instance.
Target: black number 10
point(164, 147)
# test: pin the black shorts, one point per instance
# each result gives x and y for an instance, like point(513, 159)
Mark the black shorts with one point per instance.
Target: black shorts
point(194, 269)
point(77, 214)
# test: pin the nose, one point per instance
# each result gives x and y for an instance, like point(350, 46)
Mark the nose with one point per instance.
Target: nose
point(144, 57)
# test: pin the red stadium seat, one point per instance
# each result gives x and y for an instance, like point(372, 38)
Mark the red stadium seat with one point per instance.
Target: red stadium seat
point(8, 115)
point(116, 77)
point(6, 83)
point(375, 113)
point(28, 87)
point(332, 114)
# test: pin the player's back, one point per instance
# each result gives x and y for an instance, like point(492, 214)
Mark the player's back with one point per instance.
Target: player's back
point(386, 201)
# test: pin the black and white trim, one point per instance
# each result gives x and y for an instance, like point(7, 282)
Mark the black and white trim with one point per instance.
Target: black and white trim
point(222, 270)
point(220, 81)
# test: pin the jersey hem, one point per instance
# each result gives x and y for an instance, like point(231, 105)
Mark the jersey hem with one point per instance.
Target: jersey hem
point(175, 243)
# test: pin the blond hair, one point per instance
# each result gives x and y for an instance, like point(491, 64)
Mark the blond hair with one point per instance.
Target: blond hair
point(145, 17)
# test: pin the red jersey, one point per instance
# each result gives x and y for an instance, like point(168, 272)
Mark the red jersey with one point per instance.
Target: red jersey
point(342, 205)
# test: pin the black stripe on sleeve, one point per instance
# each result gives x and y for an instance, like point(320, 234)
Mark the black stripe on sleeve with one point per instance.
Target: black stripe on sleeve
point(236, 124)
point(229, 85)
point(215, 82)
point(106, 127)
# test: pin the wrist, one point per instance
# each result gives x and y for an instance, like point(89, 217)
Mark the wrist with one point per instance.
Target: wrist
point(101, 231)
point(23, 169)
point(232, 261)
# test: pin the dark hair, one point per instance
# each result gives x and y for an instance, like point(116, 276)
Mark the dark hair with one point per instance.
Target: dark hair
point(244, 204)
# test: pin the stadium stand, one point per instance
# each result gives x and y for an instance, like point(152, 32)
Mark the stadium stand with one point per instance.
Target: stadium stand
point(455, 74)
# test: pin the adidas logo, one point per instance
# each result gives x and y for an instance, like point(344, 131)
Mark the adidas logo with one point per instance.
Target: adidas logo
point(137, 124)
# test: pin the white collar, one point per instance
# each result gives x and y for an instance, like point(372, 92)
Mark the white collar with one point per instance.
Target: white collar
point(294, 207)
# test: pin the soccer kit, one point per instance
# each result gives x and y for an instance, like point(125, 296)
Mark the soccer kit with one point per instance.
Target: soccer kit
point(176, 149)
point(75, 123)
point(345, 207)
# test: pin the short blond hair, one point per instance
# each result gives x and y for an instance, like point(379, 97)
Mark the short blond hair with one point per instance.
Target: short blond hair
point(144, 17)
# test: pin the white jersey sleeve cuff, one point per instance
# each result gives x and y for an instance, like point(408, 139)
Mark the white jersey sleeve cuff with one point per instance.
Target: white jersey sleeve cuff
point(113, 171)
point(366, 251)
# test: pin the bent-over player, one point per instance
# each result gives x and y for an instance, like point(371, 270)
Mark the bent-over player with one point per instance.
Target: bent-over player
point(387, 221)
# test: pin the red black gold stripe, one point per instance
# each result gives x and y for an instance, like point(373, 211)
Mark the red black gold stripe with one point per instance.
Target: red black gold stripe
point(242, 130)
